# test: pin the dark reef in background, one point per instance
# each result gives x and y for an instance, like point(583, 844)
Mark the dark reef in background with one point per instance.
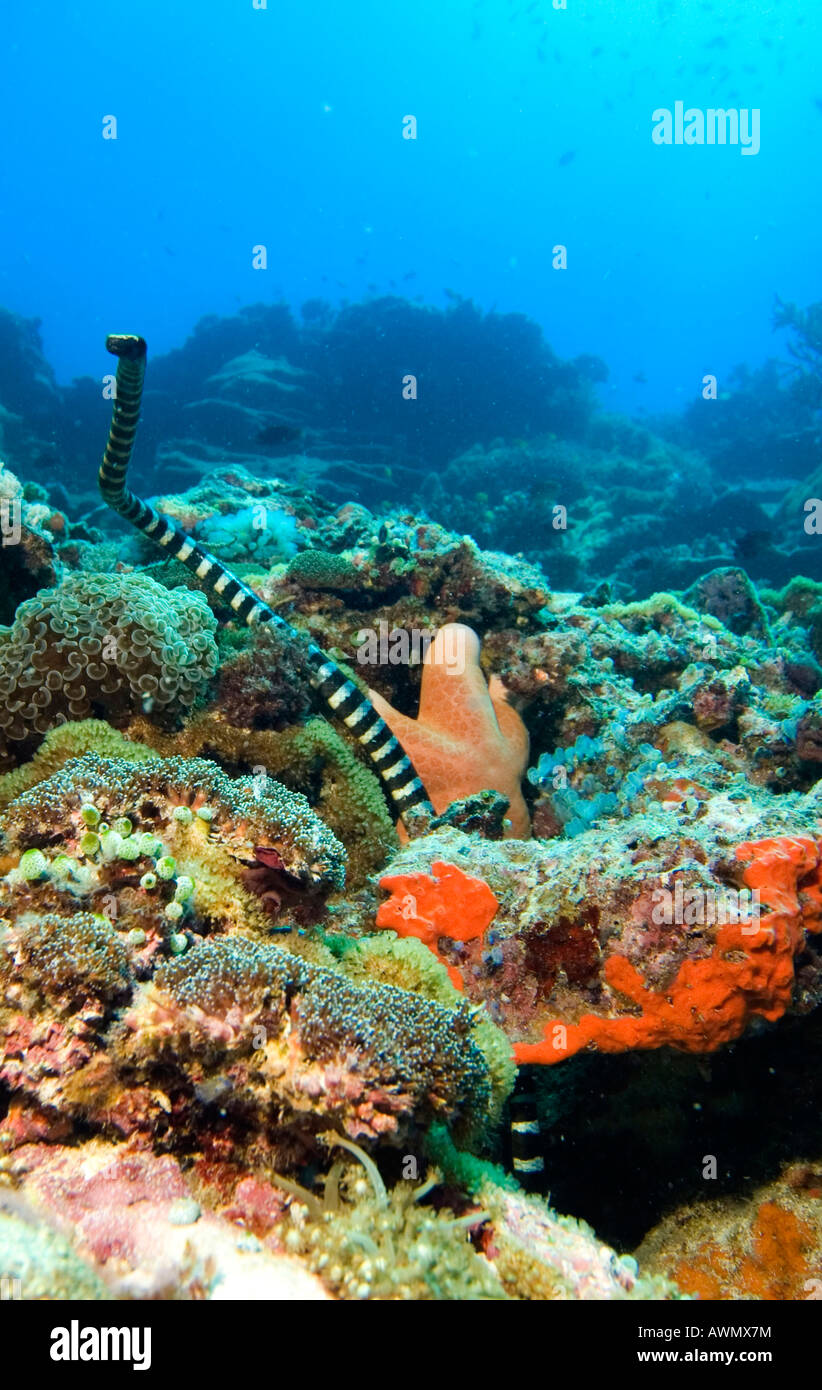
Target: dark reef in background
point(479, 376)
point(500, 434)
point(765, 423)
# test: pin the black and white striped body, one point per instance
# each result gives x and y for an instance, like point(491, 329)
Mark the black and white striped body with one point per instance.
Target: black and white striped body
point(340, 696)
point(525, 1134)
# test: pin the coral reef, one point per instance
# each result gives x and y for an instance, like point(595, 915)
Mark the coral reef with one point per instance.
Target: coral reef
point(354, 1245)
point(311, 758)
point(254, 1043)
point(564, 947)
point(29, 528)
point(289, 1036)
point(137, 1231)
point(766, 1246)
point(281, 1047)
point(445, 903)
point(750, 973)
point(103, 1223)
point(43, 1263)
point(254, 820)
point(68, 741)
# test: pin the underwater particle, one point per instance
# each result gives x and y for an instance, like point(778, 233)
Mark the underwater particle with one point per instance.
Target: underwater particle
point(183, 815)
point(90, 844)
point(90, 816)
point(148, 881)
point(184, 1211)
point(33, 864)
point(166, 866)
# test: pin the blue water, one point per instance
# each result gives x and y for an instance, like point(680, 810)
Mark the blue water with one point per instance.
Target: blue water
point(282, 127)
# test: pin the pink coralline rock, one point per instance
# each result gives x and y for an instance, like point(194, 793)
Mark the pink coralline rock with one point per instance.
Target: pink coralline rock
point(574, 1266)
point(132, 1216)
point(256, 1205)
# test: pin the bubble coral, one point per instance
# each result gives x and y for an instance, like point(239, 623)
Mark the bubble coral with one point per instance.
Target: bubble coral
point(102, 643)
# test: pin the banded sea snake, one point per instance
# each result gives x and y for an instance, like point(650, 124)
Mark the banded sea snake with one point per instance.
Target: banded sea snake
point(403, 788)
point(332, 688)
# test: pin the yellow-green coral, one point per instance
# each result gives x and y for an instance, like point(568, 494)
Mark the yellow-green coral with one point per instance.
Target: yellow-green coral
point(70, 741)
point(659, 606)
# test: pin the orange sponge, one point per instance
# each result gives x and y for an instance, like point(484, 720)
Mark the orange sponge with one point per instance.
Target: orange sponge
point(450, 904)
point(711, 1000)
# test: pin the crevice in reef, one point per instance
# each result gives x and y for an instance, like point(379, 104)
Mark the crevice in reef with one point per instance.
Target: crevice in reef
point(627, 1138)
